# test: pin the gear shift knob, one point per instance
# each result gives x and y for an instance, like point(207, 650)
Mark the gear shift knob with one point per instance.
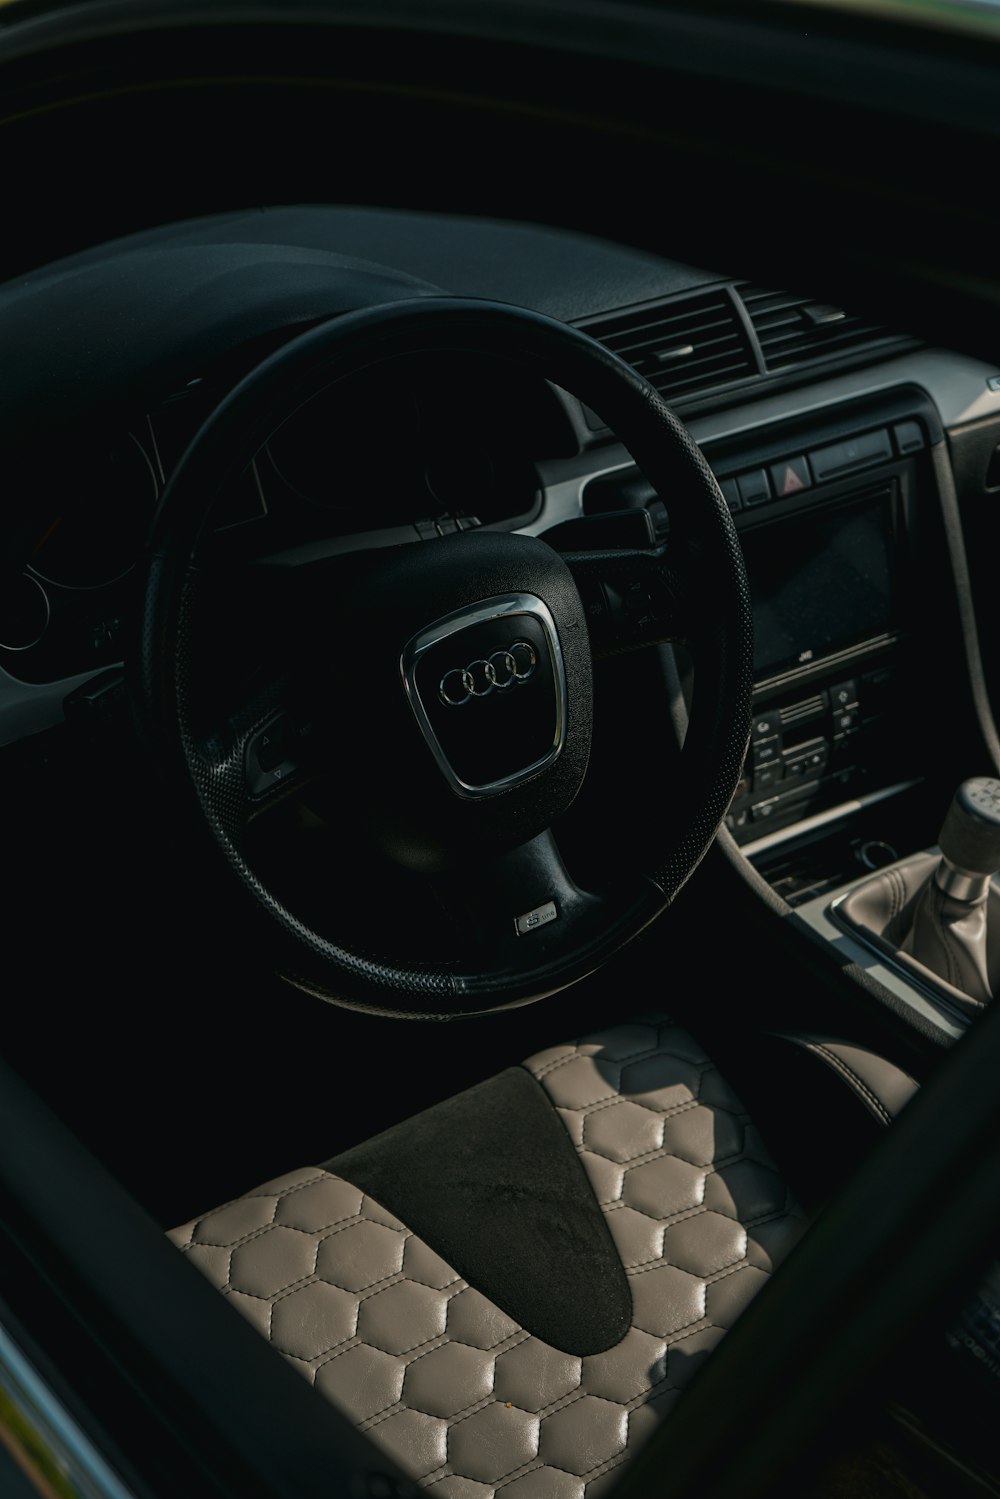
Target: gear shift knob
point(970, 840)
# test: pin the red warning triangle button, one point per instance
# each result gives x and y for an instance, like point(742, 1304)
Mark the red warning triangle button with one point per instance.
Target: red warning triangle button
point(791, 476)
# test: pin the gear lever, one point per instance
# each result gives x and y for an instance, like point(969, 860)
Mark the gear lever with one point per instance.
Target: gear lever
point(948, 930)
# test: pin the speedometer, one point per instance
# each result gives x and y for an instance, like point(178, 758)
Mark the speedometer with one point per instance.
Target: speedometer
point(92, 505)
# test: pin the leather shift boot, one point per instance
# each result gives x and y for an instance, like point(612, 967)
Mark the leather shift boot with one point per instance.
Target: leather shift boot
point(948, 936)
point(945, 944)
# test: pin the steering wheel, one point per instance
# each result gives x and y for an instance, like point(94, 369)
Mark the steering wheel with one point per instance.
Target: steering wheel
point(442, 691)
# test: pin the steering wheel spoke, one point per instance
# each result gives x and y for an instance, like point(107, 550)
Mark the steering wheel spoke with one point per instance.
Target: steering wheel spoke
point(261, 752)
point(523, 910)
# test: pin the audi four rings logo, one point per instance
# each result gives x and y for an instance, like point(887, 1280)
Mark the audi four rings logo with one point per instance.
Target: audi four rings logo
point(503, 670)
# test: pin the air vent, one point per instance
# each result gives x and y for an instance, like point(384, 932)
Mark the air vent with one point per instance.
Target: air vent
point(682, 346)
point(795, 330)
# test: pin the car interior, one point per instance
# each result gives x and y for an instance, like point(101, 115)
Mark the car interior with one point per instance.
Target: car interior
point(502, 786)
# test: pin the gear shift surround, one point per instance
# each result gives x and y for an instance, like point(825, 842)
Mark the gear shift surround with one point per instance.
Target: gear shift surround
point(938, 917)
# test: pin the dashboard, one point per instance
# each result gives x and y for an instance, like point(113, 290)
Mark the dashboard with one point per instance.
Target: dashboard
point(829, 436)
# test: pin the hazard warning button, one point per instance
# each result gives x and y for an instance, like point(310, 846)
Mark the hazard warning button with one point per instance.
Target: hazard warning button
point(790, 476)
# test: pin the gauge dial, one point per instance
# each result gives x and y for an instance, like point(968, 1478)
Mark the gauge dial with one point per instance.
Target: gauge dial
point(24, 613)
point(92, 511)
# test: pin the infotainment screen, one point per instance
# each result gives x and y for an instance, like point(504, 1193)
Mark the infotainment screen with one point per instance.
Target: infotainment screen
point(820, 581)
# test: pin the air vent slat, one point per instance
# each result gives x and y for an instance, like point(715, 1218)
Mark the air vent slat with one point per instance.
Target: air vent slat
point(683, 369)
point(819, 340)
point(715, 348)
point(694, 343)
point(661, 340)
point(665, 339)
point(685, 385)
point(794, 330)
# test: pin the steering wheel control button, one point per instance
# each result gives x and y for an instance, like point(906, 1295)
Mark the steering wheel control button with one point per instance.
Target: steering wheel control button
point(532, 920)
point(487, 687)
point(272, 755)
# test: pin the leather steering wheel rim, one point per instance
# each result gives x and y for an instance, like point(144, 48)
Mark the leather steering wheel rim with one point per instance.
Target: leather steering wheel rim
point(703, 550)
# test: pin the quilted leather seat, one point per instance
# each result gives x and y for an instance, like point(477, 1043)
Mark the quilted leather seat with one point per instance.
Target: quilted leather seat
point(449, 1368)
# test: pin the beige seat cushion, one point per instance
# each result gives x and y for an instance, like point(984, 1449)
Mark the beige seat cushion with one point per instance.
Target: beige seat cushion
point(463, 1398)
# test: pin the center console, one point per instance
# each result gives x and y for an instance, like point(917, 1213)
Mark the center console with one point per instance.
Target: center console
point(859, 671)
point(835, 520)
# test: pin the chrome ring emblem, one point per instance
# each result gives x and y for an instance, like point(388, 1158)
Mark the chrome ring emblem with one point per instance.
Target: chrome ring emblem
point(502, 670)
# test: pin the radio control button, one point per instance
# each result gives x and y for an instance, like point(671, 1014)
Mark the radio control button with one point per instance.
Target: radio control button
point(766, 725)
point(767, 775)
point(807, 760)
point(766, 752)
point(844, 695)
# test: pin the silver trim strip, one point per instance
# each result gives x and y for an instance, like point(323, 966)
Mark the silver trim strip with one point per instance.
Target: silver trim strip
point(821, 819)
point(962, 884)
point(955, 383)
point(32, 707)
point(510, 606)
point(85, 1468)
point(816, 914)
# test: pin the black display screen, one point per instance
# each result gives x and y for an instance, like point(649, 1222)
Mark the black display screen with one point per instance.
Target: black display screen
point(819, 582)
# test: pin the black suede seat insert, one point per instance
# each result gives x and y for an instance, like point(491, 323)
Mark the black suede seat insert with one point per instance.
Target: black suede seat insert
point(491, 1180)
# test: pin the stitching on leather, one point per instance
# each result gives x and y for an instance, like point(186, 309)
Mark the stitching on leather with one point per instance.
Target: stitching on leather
point(873, 1101)
point(669, 1219)
point(292, 1188)
point(430, 1345)
point(619, 1062)
point(773, 1215)
point(664, 1152)
point(658, 1049)
point(328, 1229)
point(279, 1198)
point(729, 1270)
point(603, 1104)
point(951, 950)
point(535, 1462)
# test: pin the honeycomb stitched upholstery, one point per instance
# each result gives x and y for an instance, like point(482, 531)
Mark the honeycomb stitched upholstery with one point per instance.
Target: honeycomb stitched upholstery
point(467, 1401)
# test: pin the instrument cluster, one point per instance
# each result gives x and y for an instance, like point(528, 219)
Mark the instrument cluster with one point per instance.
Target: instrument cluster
point(413, 450)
